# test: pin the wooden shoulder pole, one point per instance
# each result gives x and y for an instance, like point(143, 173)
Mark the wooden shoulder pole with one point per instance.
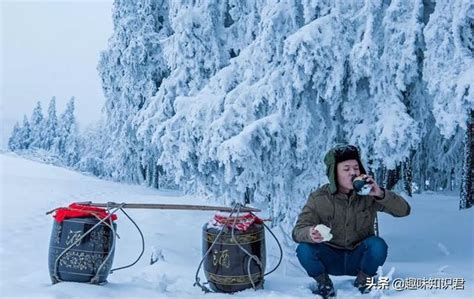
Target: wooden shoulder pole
point(169, 207)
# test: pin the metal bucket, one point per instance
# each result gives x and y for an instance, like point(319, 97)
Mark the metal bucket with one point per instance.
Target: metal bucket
point(81, 262)
point(226, 266)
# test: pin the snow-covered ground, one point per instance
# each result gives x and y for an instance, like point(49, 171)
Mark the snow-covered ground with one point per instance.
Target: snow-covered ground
point(435, 241)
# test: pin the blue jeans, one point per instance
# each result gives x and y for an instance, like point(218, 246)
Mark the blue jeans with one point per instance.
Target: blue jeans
point(318, 258)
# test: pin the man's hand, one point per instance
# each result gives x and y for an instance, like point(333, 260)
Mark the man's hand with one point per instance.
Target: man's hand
point(315, 235)
point(376, 190)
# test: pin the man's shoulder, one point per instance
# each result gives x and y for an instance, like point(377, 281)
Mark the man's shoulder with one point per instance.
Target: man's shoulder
point(321, 198)
point(322, 192)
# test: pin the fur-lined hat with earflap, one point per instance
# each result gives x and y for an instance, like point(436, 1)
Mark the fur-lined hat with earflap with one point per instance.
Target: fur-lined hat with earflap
point(340, 153)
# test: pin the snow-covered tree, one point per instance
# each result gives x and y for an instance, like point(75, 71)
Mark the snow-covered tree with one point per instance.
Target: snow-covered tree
point(15, 142)
point(51, 127)
point(37, 125)
point(467, 186)
point(132, 69)
point(67, 144)
point(93, 152)
point(449, 63)
point(194, 53)
point(24, 136)
point(447, 70)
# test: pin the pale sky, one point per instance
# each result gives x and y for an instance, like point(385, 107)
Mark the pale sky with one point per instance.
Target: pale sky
point(51, 48)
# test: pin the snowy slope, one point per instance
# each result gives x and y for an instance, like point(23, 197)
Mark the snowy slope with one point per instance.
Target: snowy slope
point(435, 241)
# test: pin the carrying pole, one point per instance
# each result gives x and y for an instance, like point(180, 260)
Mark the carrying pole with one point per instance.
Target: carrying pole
point(166, 206)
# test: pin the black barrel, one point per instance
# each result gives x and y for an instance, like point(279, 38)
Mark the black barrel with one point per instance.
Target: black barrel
point(225, 266)
point(81, 262)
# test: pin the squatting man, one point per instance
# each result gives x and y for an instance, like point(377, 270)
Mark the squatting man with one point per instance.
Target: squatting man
point(335, 229)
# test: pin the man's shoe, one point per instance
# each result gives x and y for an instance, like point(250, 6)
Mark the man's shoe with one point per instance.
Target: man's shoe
point(325, 287)
point(361, 282)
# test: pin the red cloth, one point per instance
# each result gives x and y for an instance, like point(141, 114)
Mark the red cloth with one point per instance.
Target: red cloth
point(80, 211)
point(242, 223)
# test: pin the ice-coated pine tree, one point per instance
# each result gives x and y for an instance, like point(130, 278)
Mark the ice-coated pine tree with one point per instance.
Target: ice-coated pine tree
point(14, 142)
point(467, 185)
point(37, 126)
point(25, 134)
point(132, 69)
point(93, 153)
point(51, 127)
point(67, 144)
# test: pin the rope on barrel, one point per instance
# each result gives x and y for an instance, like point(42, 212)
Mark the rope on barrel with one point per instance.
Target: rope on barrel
point(279, 247)
point(95, 279)
point(197, 279)
point(252, 256)
point(143, 244)
point(259, 263)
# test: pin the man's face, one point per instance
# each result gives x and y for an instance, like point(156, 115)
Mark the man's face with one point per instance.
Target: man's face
point(346, 170)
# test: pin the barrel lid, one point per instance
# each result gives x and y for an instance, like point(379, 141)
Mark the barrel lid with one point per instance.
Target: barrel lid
point(76, 210)
point(240, 222)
